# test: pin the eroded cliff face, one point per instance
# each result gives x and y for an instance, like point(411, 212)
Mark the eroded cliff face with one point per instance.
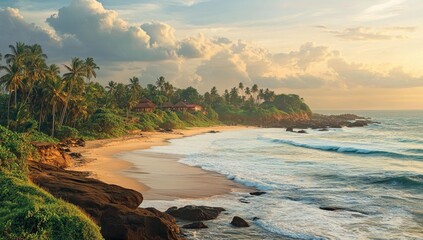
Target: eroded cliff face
point(52, 154)
point(115, 209)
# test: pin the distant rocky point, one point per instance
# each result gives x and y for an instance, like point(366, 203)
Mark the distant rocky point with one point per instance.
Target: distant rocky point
point(323, 122)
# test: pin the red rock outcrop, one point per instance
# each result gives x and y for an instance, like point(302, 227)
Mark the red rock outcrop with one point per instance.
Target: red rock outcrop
point(52, 154)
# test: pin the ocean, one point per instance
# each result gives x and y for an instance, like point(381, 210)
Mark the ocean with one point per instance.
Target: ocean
point(348, 183)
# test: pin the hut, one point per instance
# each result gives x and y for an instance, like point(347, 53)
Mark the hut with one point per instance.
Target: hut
point(167, 106)
point(180, 107)
point(183, 106)
point(145, 105)
point(194, 108)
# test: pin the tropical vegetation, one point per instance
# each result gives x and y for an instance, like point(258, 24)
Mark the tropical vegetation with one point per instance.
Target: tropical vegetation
point(37, 96)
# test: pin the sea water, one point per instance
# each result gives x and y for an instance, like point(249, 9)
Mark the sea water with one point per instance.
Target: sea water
point(347, 183)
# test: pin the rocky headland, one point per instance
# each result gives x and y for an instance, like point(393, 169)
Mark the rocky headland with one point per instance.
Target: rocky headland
point(115, 209)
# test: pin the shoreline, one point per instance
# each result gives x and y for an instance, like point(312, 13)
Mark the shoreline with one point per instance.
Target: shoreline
point(157, 176)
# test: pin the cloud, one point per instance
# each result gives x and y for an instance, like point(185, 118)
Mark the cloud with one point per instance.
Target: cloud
point(386, 9)
point(360, 75)
point(305, 56)
point(224, 70)
point(15, 29)
point(370, 34)
point(103, 34)
point(197, 47)
point(366, 34)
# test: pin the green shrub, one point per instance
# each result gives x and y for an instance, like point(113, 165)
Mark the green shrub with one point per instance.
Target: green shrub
point(14, 152)
point(66, 132)
point(105, 124)
point(172, 121)
point(36, 136)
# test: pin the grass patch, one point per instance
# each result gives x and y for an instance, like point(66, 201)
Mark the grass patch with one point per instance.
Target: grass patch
point(28, 212)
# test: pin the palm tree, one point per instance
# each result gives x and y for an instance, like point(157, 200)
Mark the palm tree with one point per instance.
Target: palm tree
point(254, 90)
point(169, 90)
point(111, 87)
point(12, 81)
point(160, 83)
point(35, 68)
point(17, 55)
point(73, 78)
point(247, 91)
point(260, 95)
point(91, 66)
point(241, 87)
point(57, 95)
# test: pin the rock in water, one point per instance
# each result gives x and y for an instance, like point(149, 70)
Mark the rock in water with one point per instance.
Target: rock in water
point(302, 131)
point(290, 129)
point(195, 213)
point(239, 222)
point(257, 193)
point(196, 225)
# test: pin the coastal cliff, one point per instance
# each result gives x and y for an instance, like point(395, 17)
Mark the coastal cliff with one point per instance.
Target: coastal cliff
point(113, 208)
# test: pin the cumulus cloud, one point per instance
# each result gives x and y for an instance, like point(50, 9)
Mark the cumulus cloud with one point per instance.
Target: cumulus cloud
point(197, 47)
point(15, 29)
point(224, 69)
point(305, 56)
point(103, 34)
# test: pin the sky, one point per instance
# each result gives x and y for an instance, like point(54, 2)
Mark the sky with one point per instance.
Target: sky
point(340, 55)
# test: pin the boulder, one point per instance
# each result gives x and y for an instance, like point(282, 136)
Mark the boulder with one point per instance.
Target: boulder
point(290, 129)
point(75, 155)
point(302, 131)
point(195, 225)
point(195, 213)
point(115, 209)
point(257, 193)
point(73, 142)
point(358, 123)
point(239, 222)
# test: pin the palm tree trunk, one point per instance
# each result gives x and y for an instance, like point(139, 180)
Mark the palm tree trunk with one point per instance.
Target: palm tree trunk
point(16, 96)
point(62, 116)
point(53, 114)
point(8, 110)
point(40, 118)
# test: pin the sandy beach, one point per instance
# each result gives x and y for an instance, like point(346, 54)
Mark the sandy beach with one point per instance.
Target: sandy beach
point(157, 176)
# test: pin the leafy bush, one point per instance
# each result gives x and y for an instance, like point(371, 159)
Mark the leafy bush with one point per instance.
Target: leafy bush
point(14, 152)
point(212, 114)
point(105, 124)
point(171, 121)
point(28, 212)
point(65, 132)
point(36, 136)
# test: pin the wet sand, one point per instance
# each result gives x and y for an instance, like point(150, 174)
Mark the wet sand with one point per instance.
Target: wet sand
point(156, 176)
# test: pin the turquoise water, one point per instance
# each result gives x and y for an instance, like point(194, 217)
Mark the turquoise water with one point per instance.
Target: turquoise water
point(372, 176)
